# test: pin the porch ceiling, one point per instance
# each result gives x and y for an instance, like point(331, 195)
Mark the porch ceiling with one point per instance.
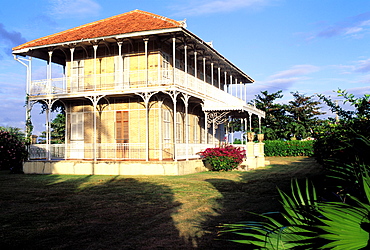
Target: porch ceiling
point(237, 109)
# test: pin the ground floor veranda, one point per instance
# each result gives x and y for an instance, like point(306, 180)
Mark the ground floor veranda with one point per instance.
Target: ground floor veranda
point(187, 162)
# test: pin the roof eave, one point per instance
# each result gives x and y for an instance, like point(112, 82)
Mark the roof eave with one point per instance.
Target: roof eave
point(216, 52)
point(119, 36)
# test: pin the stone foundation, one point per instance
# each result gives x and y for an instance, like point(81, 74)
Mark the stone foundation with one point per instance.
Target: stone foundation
point(114, 167)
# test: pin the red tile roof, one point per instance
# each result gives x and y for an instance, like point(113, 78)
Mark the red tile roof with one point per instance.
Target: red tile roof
point(133, 21)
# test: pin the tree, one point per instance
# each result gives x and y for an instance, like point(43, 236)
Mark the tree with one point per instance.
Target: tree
point(338, 140)
point(17, 132)
point(12, 149)
point(303, 112)
point(58, 127)
point(275, 121)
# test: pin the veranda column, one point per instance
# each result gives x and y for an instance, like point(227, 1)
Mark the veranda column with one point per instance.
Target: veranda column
point(146, 98)
point(95, 51)
point(195, 65)
point(225, 86)
point(240, 89)
point(66, 134)
point(28, 90)
point(186, 65)
point(259, 125)
point(72, 50)
point(230, 86)
point(29, 106)
point(219, 77)
point(250, 120)
point(241, 126)
point(174, 100)
point(206, 127)
point(173, 59)
point(212, 73)
point(204, 69)
point(47, 112)
point(120, 64)
point(213, 132)
point(29, 75)
point(159, 79)
point(95, 100)
point(232, 132)
point(146, 40)
point(49, 104)
point(186, 102)
point(246, 130)
point(160, 123)
point(49, 88)
point(146, 101)
point(245, 92)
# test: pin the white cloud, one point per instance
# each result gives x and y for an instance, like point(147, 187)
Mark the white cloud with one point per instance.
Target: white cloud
point(195, 8)
point(297, 70)
point(363, 66)
point(359, 91)
point(73, 8)
point(353, 30)
point(283, 80)
point(354, 27)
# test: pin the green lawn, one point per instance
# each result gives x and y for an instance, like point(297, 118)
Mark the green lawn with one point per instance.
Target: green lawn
point(138, 212)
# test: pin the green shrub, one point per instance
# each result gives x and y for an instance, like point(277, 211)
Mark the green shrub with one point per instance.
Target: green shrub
point(289, 148)
point(238, 141)
point(307, 223)
point(12, 151)
point(338, 140)
point(223, 158)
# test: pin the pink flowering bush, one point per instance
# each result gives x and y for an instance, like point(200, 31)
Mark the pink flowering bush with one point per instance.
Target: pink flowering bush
point(223, 158)
point(12, 151)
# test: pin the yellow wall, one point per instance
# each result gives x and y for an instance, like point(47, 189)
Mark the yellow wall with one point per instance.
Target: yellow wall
point(108, 72)
point(106, 122)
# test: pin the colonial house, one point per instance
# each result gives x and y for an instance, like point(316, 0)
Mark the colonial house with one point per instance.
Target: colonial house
point(141, 93)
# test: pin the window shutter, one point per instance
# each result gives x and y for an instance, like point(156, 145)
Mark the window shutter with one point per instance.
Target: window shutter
point(122, 126)
point(77, 126)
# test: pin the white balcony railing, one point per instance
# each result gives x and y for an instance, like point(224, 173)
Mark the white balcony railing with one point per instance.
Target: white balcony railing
point(120, 81)
point(39, 151)
point(113, 151)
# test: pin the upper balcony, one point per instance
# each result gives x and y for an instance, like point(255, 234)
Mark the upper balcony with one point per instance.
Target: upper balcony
point(136, 81)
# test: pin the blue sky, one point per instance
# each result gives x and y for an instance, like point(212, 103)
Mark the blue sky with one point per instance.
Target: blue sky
point(311, 46)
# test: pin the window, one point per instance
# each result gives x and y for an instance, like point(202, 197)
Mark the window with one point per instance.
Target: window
point(77, 126)
point(195, 129)
point(121, 71)
point(179, 132)
point(166, 66)
point(166, 126)
point(202, 130)
point(77, 77)
point(122, 127)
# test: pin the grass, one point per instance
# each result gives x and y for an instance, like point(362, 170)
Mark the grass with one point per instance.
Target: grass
point(138, 212)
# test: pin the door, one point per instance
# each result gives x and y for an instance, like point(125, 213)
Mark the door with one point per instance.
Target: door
point(77, 136)
point(122, 134)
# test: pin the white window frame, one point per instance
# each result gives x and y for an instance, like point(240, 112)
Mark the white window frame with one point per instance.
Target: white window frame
point(179, 128)
point(166, 66)
point(195, 129)
point(77, 126)
point(166, 126)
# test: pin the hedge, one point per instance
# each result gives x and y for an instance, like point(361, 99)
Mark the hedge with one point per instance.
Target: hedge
point(289, 148)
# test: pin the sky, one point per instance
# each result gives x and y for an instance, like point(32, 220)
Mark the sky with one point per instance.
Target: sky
point(313, 47)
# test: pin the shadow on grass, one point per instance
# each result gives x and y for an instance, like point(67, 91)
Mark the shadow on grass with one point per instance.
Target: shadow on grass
point(89, 212)
point(114, 212)
point(256, 192)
